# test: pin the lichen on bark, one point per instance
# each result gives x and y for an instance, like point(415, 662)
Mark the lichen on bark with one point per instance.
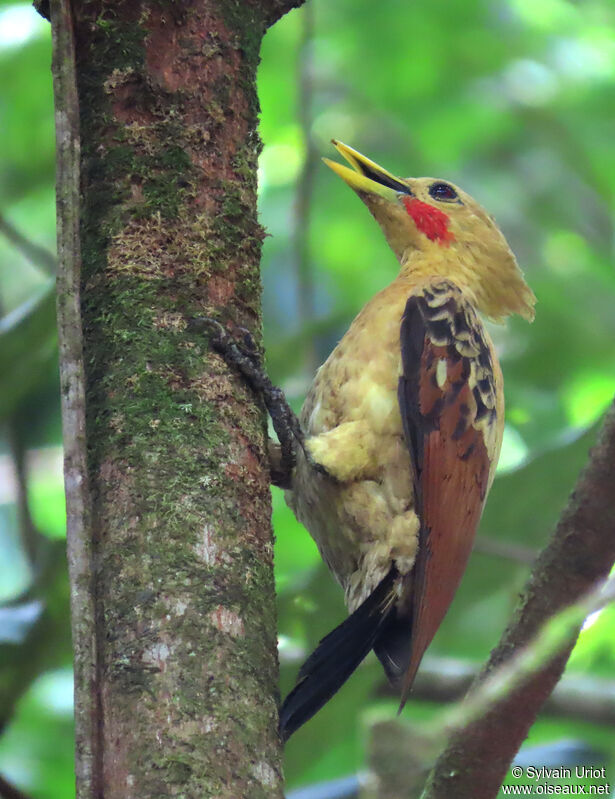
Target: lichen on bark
point(186, 673)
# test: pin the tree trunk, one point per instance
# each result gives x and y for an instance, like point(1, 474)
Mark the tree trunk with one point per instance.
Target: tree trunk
point(170, 546)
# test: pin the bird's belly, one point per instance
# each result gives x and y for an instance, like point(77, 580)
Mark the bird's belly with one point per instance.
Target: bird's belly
point(361, 513)
point(364, 525)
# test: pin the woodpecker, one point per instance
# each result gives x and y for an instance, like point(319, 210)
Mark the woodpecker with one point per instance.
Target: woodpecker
point(401, 429)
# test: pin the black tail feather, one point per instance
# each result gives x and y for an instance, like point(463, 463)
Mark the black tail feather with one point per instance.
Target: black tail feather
point(393, 647)
point(337, 656)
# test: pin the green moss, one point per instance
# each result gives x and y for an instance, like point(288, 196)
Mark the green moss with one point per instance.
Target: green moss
point(247, 22)
point(119, 160)
point(165, 178)
point(249, 288)
point(222, 91)
point(122, 44)
point(161, 195)
point(174, 157)
point(245, 162)
point(233, 204)
point(178, 771)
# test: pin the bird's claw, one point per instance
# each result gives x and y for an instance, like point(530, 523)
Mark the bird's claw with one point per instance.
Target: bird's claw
point(201, 324)
point(222, 340)
point(243, 355)
point(318, 467)
point(248, 341)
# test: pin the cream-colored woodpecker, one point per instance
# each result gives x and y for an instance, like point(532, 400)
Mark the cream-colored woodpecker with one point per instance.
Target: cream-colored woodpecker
point(402, 429)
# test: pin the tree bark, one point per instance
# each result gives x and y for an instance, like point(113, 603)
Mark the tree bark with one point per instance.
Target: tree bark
point(170, 546)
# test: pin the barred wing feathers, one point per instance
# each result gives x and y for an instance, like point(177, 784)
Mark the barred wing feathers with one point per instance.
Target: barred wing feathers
point(447, 398)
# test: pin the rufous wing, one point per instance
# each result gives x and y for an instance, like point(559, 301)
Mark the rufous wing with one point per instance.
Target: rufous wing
point(447, 399)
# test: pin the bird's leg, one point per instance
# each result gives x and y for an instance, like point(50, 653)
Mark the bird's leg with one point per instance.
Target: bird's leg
point(244, 357)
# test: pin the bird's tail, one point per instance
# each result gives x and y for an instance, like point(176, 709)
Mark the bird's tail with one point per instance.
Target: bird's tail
point(338, 655)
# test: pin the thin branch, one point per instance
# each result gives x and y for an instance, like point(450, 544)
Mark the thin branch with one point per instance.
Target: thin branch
point(407, 772)
point(72, 377)
point(553, 638)
point(580, 553)
point(37, 255)
point(505, 550)
point(575, 697)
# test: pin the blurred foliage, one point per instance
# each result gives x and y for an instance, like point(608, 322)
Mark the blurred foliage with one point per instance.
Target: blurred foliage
point(513, 100)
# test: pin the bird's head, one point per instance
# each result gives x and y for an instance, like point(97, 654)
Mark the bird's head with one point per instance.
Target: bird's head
point(436, 228)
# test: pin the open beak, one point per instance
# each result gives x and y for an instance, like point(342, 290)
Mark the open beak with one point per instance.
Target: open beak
point(366, 176)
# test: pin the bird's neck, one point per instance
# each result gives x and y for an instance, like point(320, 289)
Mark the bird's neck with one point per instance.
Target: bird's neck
point(419, 266)
point(494, 286)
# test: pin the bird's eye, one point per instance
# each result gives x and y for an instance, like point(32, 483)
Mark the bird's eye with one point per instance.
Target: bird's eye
point(443, 191)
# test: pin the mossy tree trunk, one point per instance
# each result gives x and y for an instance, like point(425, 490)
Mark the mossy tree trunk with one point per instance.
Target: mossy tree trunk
point(170, 545)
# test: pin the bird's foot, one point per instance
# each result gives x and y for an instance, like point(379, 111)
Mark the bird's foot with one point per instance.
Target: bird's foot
point(243, 355)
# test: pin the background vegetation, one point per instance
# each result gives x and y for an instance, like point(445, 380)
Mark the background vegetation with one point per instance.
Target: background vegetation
point(513, 100)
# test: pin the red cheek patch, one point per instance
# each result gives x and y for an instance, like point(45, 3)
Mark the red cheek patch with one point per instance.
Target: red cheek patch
point(429, 220)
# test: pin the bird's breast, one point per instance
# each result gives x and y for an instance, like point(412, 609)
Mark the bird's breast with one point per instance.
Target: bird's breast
point(359, 379)
point(361, 511)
